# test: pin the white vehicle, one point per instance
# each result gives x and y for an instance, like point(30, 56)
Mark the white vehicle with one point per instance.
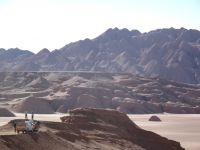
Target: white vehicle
point(27, 126)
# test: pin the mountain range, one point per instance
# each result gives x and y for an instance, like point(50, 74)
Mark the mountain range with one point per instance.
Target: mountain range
point(172, 54)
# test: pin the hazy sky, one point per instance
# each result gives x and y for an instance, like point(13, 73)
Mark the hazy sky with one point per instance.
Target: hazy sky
point(37, 24)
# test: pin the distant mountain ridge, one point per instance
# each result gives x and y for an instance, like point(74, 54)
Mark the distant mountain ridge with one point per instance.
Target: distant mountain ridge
point(173, 54)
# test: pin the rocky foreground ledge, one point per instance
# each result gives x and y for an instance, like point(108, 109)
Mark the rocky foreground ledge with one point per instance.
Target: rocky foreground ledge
point(98, 129)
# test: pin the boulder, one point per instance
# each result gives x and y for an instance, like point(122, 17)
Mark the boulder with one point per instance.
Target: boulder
point(154, 118)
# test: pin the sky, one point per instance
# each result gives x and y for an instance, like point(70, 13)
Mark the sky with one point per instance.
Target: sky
point(37, 24)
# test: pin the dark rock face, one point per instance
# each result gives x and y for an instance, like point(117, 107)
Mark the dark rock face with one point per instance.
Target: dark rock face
point(172, 54)
point(154, 118)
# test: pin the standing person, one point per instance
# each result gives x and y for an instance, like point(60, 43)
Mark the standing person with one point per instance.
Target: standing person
point(32, 116)
point(15, 125)
point(26, 115)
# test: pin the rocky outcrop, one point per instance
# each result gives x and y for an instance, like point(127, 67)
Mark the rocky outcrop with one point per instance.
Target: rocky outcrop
point(115, 127)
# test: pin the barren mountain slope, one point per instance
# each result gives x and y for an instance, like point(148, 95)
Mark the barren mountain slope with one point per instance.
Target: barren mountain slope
point(49, 92)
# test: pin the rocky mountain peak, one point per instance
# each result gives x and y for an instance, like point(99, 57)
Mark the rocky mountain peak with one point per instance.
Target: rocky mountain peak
point(43, 52)
point(115, 33)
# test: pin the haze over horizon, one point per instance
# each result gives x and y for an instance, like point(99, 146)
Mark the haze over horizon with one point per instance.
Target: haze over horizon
point(34, 25)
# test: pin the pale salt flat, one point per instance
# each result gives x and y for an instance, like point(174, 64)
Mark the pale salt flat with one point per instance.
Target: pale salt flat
point(182, 128)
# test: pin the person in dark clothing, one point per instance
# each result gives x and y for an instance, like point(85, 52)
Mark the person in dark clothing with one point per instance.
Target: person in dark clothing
point(15, 125)
point(32, 116)
point(26, 115)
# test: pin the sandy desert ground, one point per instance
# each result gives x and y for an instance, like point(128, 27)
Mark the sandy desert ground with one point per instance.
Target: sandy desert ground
point(183, 128)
